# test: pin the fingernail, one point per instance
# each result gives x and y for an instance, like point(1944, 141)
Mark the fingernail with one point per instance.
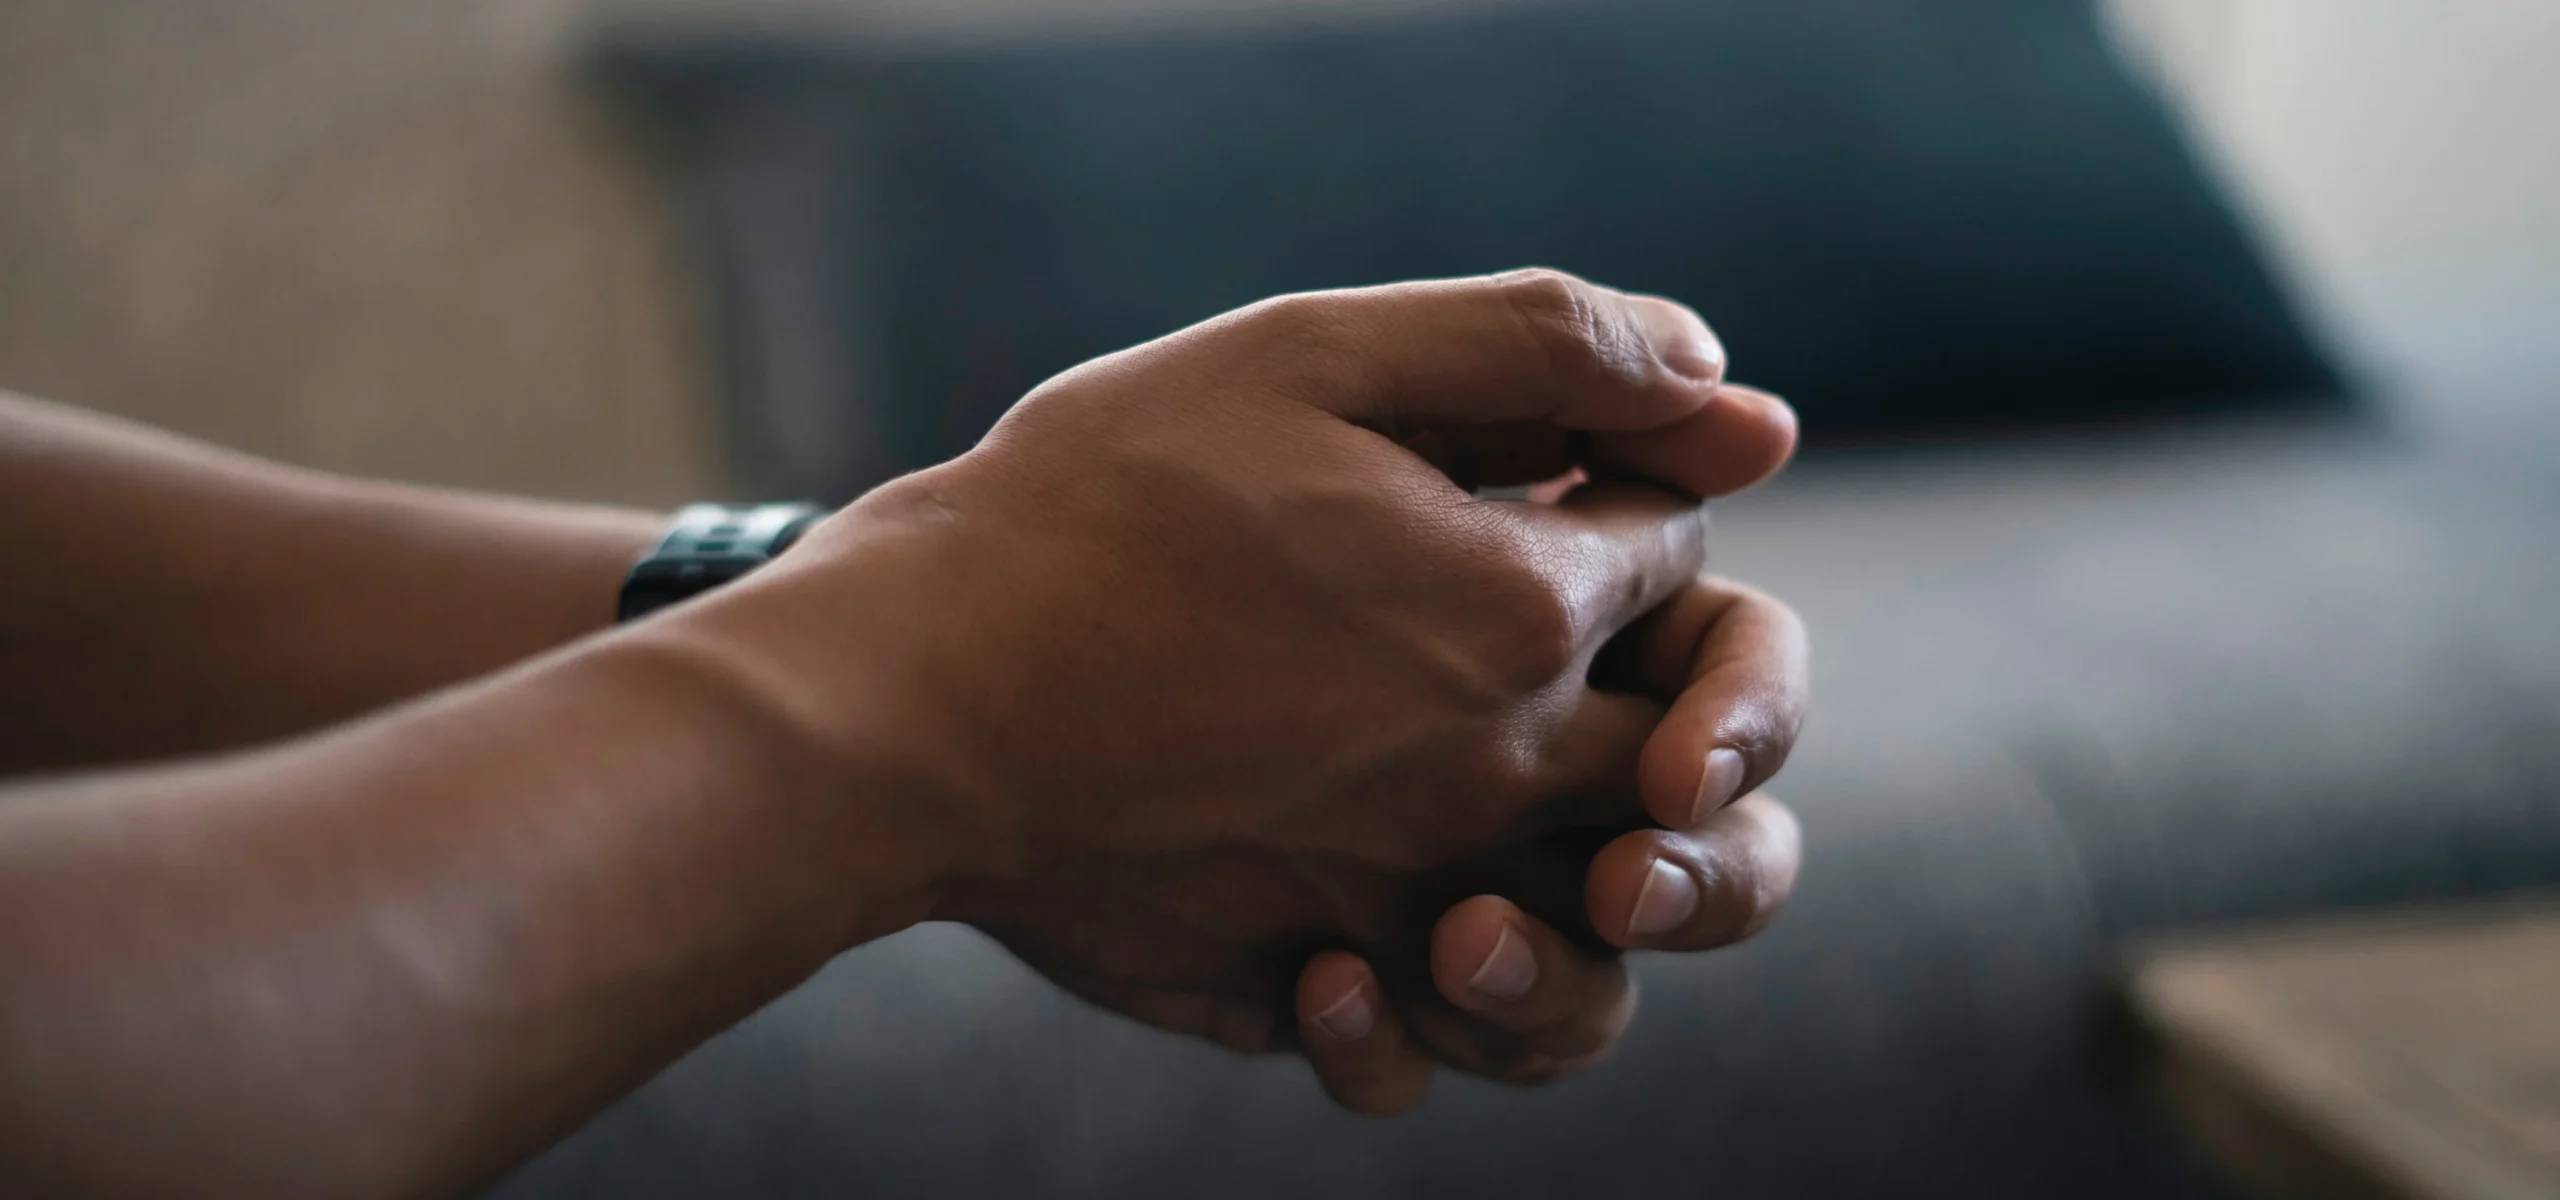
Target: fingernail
point(1683, 342)
point(1668, 898)
point(1350, 1019)
point(1717, 784)
point(1508, 972)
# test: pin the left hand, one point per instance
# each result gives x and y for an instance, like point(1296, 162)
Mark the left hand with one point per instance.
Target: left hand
point(1508, 965)
point(1492, 989)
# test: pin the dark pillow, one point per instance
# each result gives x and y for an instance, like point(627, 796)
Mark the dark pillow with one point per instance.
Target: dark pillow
point(1904, 217)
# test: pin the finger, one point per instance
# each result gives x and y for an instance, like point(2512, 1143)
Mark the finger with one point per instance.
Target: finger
point(1743, 436)
point(1354, 1040)
point(1740, 438)
point(1612, 552)
point(1518, 974)
point(1462, 1041)
point(1696, 890)
point(1733, 663)
point(1527, 345)
point(1592, 764)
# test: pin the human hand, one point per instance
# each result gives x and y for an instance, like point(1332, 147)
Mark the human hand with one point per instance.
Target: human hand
point(1439, 989)
point(1485, 985)
point(1194, 671)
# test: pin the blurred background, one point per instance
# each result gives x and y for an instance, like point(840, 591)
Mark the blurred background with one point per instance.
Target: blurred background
point(2174, 523)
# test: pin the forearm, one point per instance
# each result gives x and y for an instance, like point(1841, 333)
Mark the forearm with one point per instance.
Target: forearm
point(164, 597)
point(401, 955)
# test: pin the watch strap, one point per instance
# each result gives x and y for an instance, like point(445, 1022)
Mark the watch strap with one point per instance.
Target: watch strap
point(709, 545)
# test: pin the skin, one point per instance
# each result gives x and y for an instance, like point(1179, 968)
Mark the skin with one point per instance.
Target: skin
point(191, 599)
point(1204, 684)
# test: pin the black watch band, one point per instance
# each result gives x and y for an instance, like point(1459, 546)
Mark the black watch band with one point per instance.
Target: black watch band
point(709, 545)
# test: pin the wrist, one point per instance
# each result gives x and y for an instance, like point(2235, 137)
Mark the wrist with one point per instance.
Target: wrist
point(494, 578)
point(806, 669)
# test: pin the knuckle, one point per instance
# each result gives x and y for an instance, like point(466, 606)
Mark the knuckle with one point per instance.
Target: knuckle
point(1523, 629)
point(1568, 321)
point(1760, 894)
point(1768, 713)
point(1635, 568)
point(1738, 891)
point(1763, 728)
point(1749, 882)
point(1729, 907)
point(1304, 327)
point(1536, 639)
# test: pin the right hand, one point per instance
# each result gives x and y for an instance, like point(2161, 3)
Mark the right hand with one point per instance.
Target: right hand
point(1193, 670)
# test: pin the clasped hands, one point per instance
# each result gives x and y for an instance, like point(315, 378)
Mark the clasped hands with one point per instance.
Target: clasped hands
point(1234, 709)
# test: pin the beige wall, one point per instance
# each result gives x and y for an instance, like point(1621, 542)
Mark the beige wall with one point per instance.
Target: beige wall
point(382, 236)
point(2404, 155)
point(393, 237)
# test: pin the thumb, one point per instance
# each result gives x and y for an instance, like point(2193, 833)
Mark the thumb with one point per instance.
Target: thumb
point(1535, 345)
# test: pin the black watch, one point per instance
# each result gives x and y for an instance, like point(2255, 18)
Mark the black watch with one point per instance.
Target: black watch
point(709, 545)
